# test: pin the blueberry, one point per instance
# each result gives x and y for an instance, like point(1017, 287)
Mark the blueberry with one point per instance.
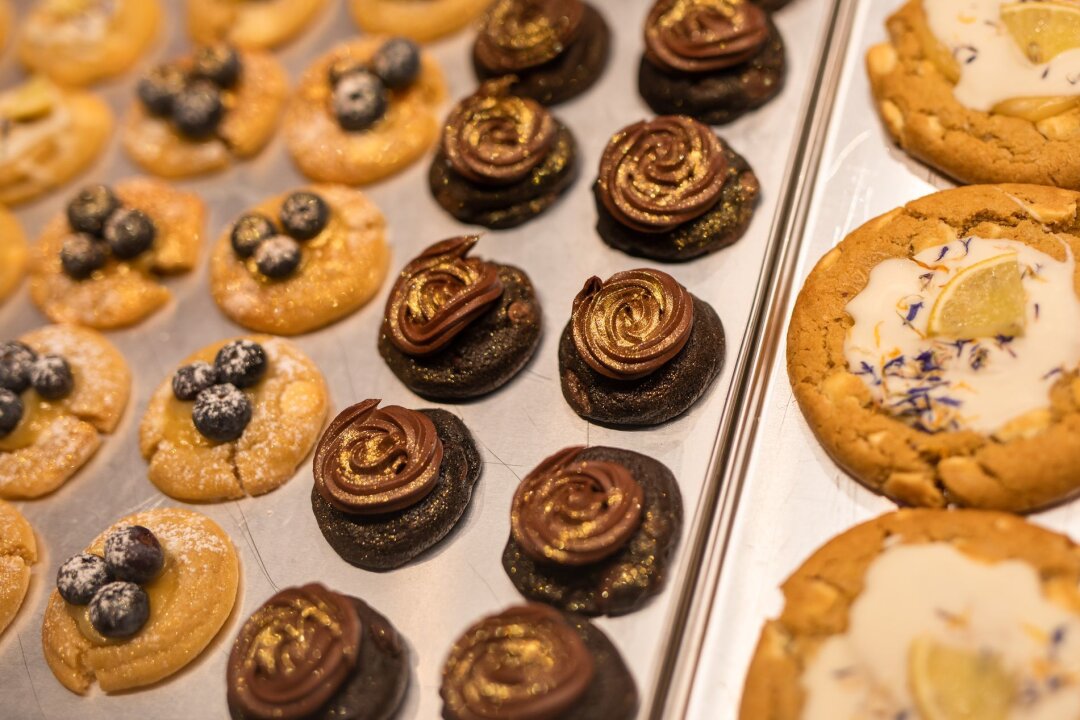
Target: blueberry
point(190, 380)
point(133, 554)
point(342, 67)
point(278, 257)
point(11, 411)
point(15, 361)
point(217, 63)
point(51, 377)
point(359, 100)
point(158, 89)
point(130, 233)
point(80, 577)
point(240, 362)
point(91, 208)
point(397, 62)
point(304, 215)
point(250, 230)
point(81, 255)
point(197, 110)
point(119, 609)
point(221, 412)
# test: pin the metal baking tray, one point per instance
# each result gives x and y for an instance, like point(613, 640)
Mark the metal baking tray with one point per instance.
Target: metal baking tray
point(437, 596)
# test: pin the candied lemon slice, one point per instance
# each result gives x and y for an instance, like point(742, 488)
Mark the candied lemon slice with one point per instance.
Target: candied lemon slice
point(1043, 30)
point(986, 299)
point(949, 683)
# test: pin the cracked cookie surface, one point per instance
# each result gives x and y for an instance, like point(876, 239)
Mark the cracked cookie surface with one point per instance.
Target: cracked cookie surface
point(18, 551)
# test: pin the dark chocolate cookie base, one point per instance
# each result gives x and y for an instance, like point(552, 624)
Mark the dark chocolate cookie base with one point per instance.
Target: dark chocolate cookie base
point(719, 227)
point(621, 583)
point(569, 74)
point(484, 356)
point(771, 5)
point(385, 542)
point(506, 206)
point(720, 96)
point(655, 398)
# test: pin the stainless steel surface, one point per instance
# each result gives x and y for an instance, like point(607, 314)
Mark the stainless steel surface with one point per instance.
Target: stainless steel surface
point(434, 598)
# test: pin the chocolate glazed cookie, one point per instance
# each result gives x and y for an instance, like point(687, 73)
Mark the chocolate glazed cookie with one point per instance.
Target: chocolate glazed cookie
point(711, 59)
point(592, 530)
point(639, 349)
point(669, 189)
point(390, 482)
point(555, 49)
point(458, 327)
point(309, 653)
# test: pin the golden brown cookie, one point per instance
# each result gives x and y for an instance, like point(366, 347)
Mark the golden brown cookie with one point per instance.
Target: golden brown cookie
point(13, 253)
point(252, 25)
point(7, 15)
point(18, 551)
point(122, 292)
point(55, 438)
point(189, 603)
point(421, 20)
point(288, 404)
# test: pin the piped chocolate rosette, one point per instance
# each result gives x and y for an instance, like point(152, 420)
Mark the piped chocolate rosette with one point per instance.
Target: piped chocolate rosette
point(503, 159)
point(670, 189)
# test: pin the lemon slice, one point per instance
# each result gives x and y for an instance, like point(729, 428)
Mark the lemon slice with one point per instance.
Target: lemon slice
point(986, 299)
point(1043, 30)
point(953, 684)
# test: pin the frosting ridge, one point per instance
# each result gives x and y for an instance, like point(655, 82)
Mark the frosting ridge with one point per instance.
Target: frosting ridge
point(519, 34)
point(704, 35)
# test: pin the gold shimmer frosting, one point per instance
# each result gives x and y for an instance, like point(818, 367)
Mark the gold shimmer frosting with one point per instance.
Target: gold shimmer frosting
point(704, 35)
point(438, 295)
point(519, 34)
point(293, 654)
point(376, 460)
point(526, 663)
point(656, 175)
point(632, 324)
point(573, 512)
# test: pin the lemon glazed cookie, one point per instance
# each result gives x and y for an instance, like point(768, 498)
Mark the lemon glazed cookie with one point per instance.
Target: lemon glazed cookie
point(18, 551)
point(13, 253)
point(420, 20)
point(250, 24)
point(144, 600)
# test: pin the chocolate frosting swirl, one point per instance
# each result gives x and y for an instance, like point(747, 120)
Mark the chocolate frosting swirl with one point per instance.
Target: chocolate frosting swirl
point(526, 663)
point(519, 34)
point(656, 175)
point(497, 138)
point(438, 294)
point(376, 460)
point(632, 324)
point(573, 512)
point(704, 35)
point(293, 654)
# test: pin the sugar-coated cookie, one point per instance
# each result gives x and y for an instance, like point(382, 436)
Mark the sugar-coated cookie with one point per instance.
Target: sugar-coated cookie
point(421, 20)
point(257, 25)
point(18, 551)
point(13, 253)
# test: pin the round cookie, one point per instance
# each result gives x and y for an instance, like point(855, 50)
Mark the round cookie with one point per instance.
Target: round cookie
point(639, 349)
point(421, 20)
point(189, 603)
point(122, 291)
point(355, 666)
point(931, 441)
point(771, 5)
point(18, 551)
point(377, 514)
point(54, 438)
point(395, 128)
point(250, 25)
point(592, 530)
point(13, 253)
point(287, 403)
point(341, 268)
point(458, 327)
point(841, 589)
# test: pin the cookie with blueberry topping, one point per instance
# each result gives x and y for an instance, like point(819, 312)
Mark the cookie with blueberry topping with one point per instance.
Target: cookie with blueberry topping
point(422, 22)
point(250, 25)
point(18, 551)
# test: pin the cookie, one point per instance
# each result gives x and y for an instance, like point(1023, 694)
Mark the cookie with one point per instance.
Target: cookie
point(714, 61)
point(670, 189)
point(921, 614)
point(13, 253)
point(391, 483)
point(189, 601)
point(458, 327)
point(314, 280)
point(348, 124)
point(79, 43)
point(52, 134)
point(592, 530)
point(531, 661)
point(250, 25)
point(982, 409)
point(339, 658)
point(107, 272)
point(771, 5)
point(63, 386)
point(7, 17)
point(485, 175)
point(639, 349)
point(235, 419)
point(18, 551)
point(421, 20)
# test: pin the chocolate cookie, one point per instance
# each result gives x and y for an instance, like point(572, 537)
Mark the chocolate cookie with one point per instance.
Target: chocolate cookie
point(592, 530)
point(336, 657)
point(771, 5)
point(554, 49)
point(639, 349)
point(458, 327)
point(391, 482)
point(503, 159)
point(669, 189)
point(531, 661)
point(712, 61)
